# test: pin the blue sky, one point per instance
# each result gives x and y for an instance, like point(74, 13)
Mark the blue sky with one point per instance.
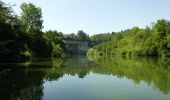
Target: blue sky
point(98, 16)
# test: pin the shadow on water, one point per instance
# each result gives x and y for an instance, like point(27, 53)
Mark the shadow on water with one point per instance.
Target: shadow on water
point(25, 81)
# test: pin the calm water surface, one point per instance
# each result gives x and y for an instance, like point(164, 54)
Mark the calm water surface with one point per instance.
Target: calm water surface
point(82, 78)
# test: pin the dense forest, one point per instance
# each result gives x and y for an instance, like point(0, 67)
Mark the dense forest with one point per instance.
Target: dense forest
point(21, 37)
point(149, 41)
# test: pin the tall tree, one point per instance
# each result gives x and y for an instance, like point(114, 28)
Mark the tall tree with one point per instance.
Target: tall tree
point(12, 37)
point(82, 35)
point(55, 38)
point(31, 17)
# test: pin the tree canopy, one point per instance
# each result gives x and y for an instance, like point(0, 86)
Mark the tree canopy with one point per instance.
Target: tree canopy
point(31, 17)
point(149, 41)
point(21, 36)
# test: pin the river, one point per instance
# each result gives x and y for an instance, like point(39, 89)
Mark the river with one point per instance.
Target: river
point(86, 78)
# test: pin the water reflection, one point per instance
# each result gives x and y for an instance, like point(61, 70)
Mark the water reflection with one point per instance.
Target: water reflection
point(25, 81)
point(24, 84)
point(155, 72)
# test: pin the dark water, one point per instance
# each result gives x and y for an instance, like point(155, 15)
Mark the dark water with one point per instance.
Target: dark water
point(82, 78)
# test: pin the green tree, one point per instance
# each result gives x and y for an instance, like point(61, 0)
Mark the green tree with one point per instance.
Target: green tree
point(82, 35)
point(31, 17)
point(149, 41)
point(162, 30)
point(55, 40)
point(103, 37)
point(12, 37)
point(71, 36)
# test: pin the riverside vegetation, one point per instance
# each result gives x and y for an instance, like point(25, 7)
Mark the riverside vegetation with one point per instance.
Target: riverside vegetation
point(21, 37)
point(149, 41)
point(34, 65)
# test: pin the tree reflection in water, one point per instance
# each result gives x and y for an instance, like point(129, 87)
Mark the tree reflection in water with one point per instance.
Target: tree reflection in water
point(25, 81)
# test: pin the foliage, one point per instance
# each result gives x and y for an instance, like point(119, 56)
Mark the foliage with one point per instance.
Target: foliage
point(22, 36)
point(31, 17)
point(150, 41)
point(80, 36)
point(103, 37)
point(57, 51)
point(12, 37)
point(56, 42)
